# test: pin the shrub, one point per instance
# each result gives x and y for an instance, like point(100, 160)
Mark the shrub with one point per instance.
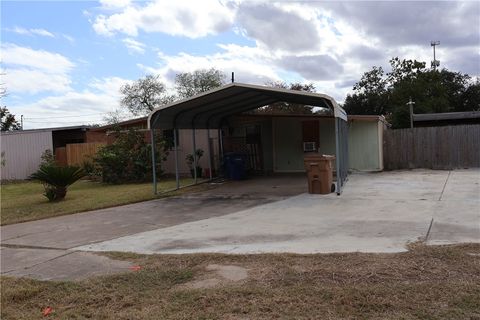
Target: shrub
point(48, 159)
point(90, 169)
point(129, 158)
point(56, 179)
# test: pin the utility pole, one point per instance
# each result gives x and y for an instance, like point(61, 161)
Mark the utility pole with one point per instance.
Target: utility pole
point(435, 63)
point(21, 121)
point(410, 103)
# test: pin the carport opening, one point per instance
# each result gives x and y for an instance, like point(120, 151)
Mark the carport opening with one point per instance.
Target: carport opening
point(272, 144)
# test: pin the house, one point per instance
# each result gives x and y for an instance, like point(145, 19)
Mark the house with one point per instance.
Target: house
point(22, 149)
point(280, 144)
point(269, 149)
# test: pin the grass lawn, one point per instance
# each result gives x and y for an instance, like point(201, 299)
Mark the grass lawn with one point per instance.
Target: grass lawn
point(423, 283)
point(24, 201)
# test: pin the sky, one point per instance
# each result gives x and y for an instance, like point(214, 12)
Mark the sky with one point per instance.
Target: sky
point(63, 62)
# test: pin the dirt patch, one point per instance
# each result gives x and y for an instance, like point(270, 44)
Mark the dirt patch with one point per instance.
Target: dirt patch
point(218, 275)
point(232, 273)
point(424, 283)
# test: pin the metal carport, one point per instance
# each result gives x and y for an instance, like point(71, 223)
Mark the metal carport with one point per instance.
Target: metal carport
point(209, 110)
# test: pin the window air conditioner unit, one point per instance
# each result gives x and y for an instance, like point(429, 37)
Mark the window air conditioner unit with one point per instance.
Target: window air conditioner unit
point(309, 147)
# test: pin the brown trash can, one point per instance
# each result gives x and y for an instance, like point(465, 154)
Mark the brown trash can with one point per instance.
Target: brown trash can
point(319, 172)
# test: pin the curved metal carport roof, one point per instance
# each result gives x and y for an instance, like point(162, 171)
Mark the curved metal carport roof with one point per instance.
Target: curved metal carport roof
point(209, 109)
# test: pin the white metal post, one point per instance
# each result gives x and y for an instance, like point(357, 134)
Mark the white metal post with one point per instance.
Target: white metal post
point(154, 162)
point(175, 145)
point(194, 157)
point(338, 156)
point(220, 140)
point(209, 155)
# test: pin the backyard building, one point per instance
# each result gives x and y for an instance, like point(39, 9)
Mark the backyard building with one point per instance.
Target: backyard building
point(22, 149)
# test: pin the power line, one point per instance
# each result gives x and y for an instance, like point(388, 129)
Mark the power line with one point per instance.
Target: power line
point(60, 117)
point(79, 121)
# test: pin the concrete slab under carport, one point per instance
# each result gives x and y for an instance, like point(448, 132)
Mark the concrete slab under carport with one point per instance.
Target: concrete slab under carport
point(377, 212)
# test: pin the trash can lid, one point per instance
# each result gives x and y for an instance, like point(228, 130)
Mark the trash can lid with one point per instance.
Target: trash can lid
point(328, 157)
point(318, 156)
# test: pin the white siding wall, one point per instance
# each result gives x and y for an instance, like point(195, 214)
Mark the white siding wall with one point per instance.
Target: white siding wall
point(186, 147)
point(23, 152)
point(365, 145)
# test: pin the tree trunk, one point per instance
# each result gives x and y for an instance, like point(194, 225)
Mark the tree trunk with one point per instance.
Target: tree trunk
point(60, 193)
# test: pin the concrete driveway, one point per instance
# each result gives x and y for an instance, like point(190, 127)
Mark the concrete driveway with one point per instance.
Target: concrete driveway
point(378, 212)
point(45, 249)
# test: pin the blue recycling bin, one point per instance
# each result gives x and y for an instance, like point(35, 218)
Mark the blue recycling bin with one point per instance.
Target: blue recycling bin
point(235, 165)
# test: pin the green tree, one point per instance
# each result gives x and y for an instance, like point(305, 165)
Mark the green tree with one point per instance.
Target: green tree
point(286, 107)
point(432, 90)
point(371, 94)
point(189, 84)
point(8, 120)
point(471, 97)
point(144, 95)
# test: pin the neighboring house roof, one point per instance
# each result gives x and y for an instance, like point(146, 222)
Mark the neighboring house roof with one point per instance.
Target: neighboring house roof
point(46, 129)
point(131, 122)
point(446, 116)
point(350, 117)
point(209, 109)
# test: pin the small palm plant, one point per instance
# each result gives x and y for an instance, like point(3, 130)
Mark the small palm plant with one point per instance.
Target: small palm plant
point(56, 179)
point(191, 160)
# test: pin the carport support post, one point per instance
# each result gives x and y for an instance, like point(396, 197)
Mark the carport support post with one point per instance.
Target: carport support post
point(194, 157)
point(338, 155)
point(209, 155)
point(154, 162)
point(175, 145)
point(220, 140)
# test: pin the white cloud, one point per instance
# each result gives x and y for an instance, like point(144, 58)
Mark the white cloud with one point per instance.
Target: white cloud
point(191, 18)
point(68, 38)
point(38, 59)
point(134, 46)
point(276, 28)
point(73, 107)
point(115, 4)
point(42, 32)
point(250, 65)
point(32, 71)
point(35, 81)
point(31, 32)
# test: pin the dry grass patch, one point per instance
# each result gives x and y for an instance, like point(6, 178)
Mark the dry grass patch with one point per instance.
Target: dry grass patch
point(424, 283)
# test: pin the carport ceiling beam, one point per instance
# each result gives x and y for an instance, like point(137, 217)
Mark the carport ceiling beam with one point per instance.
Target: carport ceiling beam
point(211, 104)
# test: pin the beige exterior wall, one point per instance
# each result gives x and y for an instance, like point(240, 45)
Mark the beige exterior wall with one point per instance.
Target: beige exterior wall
point(283, 147)
point(288, 142)
point(365, 145)
point(23, 150)
point(185, 143)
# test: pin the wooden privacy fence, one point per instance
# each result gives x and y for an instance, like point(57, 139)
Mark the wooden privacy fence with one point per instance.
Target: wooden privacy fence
point(75, 154)
point(446, 147)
